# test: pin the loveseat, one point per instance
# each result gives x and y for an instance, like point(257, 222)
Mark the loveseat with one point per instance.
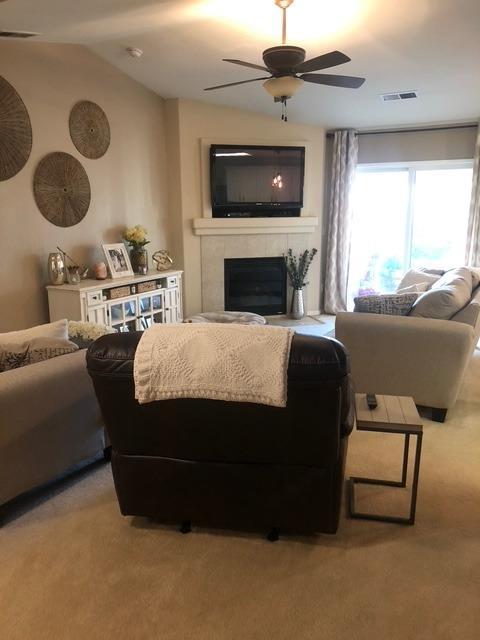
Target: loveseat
point(413, 355)
point(50, 421)
point(230, 464)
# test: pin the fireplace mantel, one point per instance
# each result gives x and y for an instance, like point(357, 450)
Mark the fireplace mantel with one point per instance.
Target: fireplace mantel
point(248, 226)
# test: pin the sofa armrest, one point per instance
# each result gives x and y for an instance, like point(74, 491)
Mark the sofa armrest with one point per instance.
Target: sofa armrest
point(402, 355)
point(40, 391)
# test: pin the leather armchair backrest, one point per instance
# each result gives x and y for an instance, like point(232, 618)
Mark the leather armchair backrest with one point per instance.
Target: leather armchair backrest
point(319, 410)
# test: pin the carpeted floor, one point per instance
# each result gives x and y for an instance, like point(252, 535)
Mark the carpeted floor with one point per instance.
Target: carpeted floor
point(71, 567)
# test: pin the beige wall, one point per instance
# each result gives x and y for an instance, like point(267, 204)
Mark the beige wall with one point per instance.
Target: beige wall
point(198, 120)
point(441, 144)
point(129, 184)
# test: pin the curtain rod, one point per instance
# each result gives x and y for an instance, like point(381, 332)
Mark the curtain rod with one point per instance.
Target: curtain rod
point(473, 125)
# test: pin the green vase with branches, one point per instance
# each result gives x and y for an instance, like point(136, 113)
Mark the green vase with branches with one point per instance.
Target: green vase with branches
point(297, 269)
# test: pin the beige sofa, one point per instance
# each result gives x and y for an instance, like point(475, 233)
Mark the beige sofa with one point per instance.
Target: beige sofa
point(411, 356)
point(50, 421)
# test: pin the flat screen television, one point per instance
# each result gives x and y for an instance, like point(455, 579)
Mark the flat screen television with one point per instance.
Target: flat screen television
point(256, 181)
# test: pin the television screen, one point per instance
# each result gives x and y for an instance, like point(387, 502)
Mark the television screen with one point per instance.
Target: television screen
point(256, 176)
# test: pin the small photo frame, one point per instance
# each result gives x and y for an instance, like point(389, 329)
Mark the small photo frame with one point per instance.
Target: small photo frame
point(118, 260)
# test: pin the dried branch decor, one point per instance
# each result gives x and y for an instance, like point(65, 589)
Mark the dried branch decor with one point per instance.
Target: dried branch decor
point(297, 267)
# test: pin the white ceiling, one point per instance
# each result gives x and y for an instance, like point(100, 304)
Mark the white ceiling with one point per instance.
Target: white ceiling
point(432, 46)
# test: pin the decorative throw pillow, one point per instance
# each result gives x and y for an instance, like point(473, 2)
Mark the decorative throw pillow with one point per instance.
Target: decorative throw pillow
point(435, 272)
point(389, 304)
point(416, 276)
point(58, 329)
point(414, 288)
point(13, 356)
point(446, 297)
point(84, 333)
point(475, 271)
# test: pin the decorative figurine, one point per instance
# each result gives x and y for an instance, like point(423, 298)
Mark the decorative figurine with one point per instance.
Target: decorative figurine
point(162, 259)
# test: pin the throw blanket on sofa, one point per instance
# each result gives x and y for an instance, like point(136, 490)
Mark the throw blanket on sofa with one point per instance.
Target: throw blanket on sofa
point(239, 363)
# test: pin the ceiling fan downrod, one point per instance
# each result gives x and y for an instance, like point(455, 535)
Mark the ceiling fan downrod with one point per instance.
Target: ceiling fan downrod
point(284, 4)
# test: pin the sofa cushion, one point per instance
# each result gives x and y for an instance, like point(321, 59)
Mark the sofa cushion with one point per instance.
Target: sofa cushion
point(417, 276)
point(389, 304)
point(58, 329)
point(446, 297)
point(14, 356)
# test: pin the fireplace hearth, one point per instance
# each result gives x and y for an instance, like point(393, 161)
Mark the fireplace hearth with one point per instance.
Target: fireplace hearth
point(258, 285)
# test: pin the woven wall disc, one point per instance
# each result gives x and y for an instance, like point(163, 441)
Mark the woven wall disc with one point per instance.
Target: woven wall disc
point(15, 132)
point(89, 129)
point(62, 189)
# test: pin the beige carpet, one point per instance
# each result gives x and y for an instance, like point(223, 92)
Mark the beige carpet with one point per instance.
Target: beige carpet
point(71, 567)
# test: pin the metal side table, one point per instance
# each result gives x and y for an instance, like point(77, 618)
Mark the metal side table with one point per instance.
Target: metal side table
point(394, 414)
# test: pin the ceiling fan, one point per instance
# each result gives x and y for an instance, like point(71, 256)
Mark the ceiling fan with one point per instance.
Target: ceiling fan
point(288, 68)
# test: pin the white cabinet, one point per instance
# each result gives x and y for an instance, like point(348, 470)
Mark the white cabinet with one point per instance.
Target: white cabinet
point(97, 314)
point(126, 304)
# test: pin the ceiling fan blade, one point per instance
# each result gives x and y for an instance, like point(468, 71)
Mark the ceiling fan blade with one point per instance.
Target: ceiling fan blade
point(348, 82)
point(234, 84)
point(326, 61)
point(246, 64)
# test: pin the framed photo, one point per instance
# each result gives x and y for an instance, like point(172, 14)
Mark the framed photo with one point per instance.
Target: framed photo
point(118, 260)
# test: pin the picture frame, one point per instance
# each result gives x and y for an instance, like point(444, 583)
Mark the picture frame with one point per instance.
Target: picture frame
point(118, 260)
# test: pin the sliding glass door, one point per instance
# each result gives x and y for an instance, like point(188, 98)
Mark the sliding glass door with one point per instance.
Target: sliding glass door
point(406, 216)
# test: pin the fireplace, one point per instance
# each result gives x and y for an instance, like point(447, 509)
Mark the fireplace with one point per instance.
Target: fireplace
point(258, 285)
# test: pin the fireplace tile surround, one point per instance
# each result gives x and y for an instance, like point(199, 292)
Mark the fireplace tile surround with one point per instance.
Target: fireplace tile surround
point(214, 250)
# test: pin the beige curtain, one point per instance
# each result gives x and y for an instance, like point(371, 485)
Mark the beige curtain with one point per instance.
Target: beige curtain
point(345, 154)
point(472, 254)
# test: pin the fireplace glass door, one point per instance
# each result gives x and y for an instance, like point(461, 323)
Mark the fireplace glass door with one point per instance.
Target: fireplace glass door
point(258, 285)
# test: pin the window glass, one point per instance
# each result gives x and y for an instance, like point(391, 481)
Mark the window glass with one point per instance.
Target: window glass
point(440, 217)
point(403, 217)
point(380, 202)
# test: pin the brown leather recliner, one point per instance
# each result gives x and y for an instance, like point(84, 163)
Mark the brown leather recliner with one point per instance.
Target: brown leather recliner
point(228, 464)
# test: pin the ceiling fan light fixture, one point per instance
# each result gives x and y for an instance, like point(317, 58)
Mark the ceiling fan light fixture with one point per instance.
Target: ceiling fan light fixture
point(283, 87)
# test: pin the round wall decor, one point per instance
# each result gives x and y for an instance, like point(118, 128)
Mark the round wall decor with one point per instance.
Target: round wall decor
point(15, 132)
point(62, 189)
point(89, 129)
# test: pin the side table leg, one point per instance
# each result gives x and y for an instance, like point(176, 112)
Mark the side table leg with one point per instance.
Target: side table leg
point(416, 472)
point(406, 447)
point(354, 480)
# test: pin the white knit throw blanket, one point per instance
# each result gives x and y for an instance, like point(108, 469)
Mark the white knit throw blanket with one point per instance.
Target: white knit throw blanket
point(239, 363)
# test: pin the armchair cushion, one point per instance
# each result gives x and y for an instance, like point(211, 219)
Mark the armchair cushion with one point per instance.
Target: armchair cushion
point(446, 297)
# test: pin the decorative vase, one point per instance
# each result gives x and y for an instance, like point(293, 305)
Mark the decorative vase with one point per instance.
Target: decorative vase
point(298, 305)
point(139, 260)
point(56, 268)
